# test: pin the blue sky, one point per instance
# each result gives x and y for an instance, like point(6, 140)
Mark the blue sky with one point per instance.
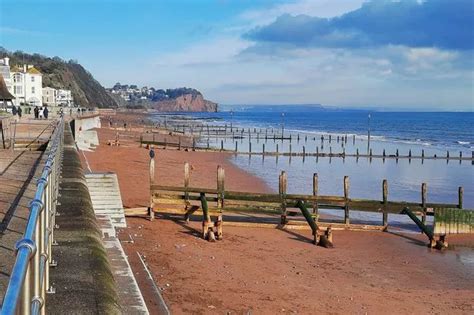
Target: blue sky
point(405, 54)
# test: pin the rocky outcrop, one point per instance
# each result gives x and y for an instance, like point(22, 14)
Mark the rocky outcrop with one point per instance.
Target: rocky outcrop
point(186, 103)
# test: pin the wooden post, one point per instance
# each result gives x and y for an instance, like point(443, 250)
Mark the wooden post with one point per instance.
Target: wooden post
point(383, 153)
point(409, 153)
point(222, 145)
point(357, 152)
point(236, 148)
point(263, 149)
point(179, 143)
point(304, 151)
point(220, 187)
point(250, 147)
point(277, 148)
point(152, 182)
point(315, 194)
point(460, 197)
point(423, 201)
point(397, 153)
point(447, 154)
point(385, 200)
point(290, 149)
point(186, 183)
point(460, 155)
point(423, 153)
point(317, 151)
point(194, 144)
point(346, 199)
point(282, 186)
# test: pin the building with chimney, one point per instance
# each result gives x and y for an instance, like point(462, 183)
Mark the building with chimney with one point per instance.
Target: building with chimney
point(27, 85)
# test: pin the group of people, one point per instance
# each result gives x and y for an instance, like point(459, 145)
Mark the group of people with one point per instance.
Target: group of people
point(17, 111)
point(41, 112)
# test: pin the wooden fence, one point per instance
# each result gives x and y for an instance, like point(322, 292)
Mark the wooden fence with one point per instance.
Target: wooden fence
point(186, 200)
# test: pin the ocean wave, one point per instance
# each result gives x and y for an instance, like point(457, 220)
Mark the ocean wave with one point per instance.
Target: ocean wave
point(463, 142)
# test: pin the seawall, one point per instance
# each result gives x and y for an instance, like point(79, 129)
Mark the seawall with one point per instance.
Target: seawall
point(83, 279)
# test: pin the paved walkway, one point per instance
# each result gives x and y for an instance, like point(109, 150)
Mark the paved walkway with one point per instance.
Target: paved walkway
point(18, 171)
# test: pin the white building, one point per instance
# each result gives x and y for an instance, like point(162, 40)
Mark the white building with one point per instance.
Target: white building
point(5, 72)
point(64, 98)
point(50, 96)
point(27, 85)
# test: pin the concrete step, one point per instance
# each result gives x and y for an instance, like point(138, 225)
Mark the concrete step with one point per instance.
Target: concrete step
point(105, 196)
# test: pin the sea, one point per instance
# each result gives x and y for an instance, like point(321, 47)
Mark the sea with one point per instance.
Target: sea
point(433, 133)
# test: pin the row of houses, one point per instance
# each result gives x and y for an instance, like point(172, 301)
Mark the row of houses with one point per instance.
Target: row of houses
point(26, 85)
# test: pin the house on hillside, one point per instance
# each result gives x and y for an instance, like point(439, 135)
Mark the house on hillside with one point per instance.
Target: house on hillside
point(27, 85)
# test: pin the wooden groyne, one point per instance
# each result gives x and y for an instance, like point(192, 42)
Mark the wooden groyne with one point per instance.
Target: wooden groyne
point(152, 139)
point(291, 209)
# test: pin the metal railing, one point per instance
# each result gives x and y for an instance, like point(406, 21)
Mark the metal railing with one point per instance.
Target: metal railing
point(29, 280)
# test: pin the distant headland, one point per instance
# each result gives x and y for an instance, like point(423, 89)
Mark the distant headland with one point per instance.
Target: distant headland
point(88, 92)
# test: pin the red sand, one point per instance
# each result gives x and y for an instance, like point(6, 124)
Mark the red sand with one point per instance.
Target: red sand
point(267, 271)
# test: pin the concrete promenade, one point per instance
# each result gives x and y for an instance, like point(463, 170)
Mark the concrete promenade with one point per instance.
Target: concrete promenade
point(83, 279)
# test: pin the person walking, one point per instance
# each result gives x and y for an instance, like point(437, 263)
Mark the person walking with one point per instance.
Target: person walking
point(41, 113)
point(45, 112)
point(36, 112)
point(20, 111)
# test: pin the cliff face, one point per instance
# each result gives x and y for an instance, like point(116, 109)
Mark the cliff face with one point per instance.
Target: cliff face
point(60, 74)
point(186, 103)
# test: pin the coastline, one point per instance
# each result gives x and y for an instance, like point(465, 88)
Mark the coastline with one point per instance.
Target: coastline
point(267, 270)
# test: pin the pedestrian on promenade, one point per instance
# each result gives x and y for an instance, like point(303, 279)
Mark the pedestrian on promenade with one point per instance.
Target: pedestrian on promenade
point(19, 112)
point(36, 112)
point(45, 112)
point(41, 113)
point(14, 111)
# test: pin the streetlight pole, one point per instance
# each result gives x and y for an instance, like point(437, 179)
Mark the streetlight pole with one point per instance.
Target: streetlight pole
point(368, 134)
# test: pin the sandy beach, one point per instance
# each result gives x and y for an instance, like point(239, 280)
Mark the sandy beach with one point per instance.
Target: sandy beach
point(268, 271)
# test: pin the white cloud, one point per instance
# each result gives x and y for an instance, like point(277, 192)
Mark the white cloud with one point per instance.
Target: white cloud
point(319, 8)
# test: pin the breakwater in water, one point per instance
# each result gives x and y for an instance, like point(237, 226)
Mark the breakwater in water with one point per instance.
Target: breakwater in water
point(421, 135)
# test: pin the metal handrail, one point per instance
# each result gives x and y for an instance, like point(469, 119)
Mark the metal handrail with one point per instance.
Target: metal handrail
point(29, 280)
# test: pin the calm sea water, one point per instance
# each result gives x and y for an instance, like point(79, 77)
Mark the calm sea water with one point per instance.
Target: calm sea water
point(435, 133)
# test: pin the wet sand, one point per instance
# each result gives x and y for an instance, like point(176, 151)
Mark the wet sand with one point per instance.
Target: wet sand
point(268, 271)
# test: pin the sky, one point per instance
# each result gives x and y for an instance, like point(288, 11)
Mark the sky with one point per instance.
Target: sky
point(386, 54)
